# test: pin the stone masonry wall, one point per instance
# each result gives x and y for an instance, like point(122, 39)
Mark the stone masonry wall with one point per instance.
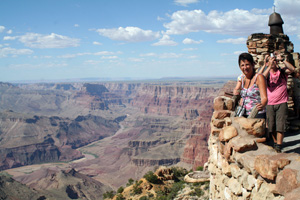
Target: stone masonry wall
point(241, 166)
point(260, 44)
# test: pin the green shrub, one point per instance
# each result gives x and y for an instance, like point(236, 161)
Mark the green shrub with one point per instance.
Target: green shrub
point(120, 197)
point(199, 168)
point(197, 192)
point(136, 189)
point(179, 173)
point(150, 194)
point(175, 189)
point(120, 190)
point(152, 178)
point(144, 198)
point(108, 195)
point(160, 195)
point(130, 182)
point(206, 187)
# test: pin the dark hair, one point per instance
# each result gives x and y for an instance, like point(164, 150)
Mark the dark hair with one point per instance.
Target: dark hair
point(246, 56)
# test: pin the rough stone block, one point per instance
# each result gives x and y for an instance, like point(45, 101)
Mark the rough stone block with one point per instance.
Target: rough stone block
point(228, 121)
point(226, 168)
point(235, 171)
point(215, 131)
point(221, 114)
point(286, 181)
point(294, 194)
point(219, 103)
point(268, 166)
point(227, 150)
point(254, 126)
point(242, 144)
point(218, 123)
point(235, 187)
point(227, 133)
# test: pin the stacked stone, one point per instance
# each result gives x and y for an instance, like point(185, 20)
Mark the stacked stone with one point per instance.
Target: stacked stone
point(260, 44)
point(241, 166)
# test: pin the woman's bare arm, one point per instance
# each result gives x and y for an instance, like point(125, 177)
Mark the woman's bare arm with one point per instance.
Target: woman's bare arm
point(261, 82)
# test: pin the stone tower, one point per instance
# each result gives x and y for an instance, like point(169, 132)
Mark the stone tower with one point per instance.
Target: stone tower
point(260, 44)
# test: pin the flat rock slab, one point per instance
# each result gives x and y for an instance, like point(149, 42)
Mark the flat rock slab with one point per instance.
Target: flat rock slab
point(197, 177)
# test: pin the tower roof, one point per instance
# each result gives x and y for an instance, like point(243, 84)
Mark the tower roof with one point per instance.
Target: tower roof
point(275, 19)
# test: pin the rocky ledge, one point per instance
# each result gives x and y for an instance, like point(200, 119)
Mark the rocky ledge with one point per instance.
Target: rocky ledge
point(241, 166)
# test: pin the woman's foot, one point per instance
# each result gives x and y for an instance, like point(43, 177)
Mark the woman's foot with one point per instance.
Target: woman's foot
point(277, 147)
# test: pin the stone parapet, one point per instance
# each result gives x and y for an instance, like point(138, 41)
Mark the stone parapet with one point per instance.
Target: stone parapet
point(241, 166)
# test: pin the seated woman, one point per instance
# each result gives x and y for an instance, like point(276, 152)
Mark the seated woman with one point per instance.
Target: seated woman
point(253, 87)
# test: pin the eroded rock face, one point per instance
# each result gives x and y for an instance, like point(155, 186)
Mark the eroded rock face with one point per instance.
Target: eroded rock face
point(30, 140)
point(64, 184)
point(176, 130)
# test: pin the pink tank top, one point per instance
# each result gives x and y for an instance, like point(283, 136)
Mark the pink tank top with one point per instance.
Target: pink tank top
point(277, 89)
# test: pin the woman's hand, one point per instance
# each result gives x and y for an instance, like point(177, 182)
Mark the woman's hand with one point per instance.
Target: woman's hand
point(266, 60)
point(259, 106)
point(272, 61)
point(279, 57)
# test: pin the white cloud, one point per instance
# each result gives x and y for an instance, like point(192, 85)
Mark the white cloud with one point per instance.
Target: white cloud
point(4, 52)
point(100, 53)
point(185, 2)
point(136, 59)
point(76, 25)
point(189, 49)
point(129, 34)
point(2, 29)
point(289, 11)
point(109, 57)
point(9, 37)
point(38, 66)
point(287, 7)
point(238, 52)
point(160, 18)
point(193, 57)
point(104, 53)
point(170, 55)
point(163, 55)
point(148, 55)
point(240, 40)
point(92, 62)
point(235, 22)
point(35, 40)
point(190, 41)
point(9, 31)
point(262, 11)
point(97, 43)
point(165, 41)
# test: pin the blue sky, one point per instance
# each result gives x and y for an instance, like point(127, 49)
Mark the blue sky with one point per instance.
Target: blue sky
point(70, 39)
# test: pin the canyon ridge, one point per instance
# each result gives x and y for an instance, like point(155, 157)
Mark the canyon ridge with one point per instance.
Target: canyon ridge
point(104, 133)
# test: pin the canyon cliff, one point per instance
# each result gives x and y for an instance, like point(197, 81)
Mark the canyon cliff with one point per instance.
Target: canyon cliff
point(111, 126)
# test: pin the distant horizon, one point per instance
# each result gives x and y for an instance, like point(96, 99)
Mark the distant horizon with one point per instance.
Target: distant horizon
point(107, 79)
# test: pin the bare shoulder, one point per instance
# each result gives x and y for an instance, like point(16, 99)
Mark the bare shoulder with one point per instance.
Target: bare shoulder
point(260, 77)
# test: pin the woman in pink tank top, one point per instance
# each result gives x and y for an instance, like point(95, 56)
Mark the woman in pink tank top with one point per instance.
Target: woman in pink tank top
point(277, 109)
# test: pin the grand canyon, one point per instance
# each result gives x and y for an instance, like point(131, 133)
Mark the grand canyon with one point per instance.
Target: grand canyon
point(98, 135)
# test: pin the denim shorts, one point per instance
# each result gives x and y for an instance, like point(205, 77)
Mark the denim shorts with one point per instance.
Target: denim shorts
point(276, 117)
